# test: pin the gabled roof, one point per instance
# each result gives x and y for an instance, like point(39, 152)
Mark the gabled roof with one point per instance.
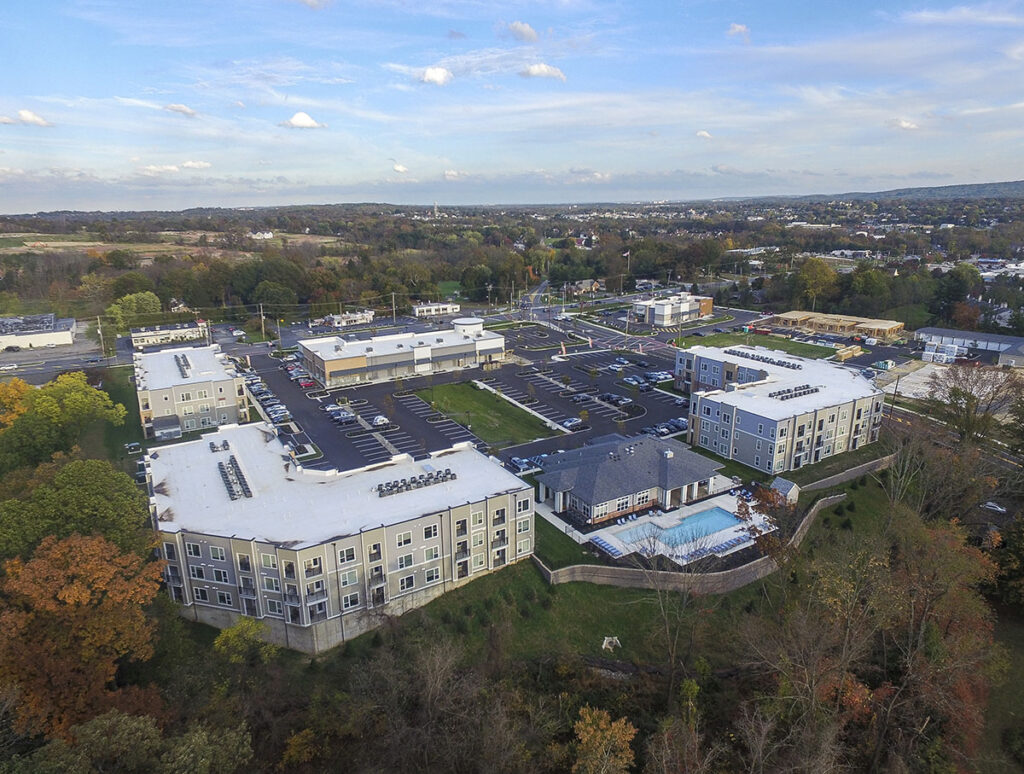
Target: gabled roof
point(603, 471)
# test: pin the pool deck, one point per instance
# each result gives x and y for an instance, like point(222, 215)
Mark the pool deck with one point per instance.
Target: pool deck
point(720, 543)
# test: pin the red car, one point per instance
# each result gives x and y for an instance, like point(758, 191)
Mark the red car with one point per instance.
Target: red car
point(306, 383)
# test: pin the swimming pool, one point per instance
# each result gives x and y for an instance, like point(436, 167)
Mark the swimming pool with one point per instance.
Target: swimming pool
point(688, 530)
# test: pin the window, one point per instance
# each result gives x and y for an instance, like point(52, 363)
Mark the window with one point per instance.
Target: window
point(707, 411)
point(201, 595)
point(186, 396)
point(523, 547)
point(197, 572)
point(269, 561)
point(220, 576)
point(478, 518)
point(204, 408)
point(641, 499)
point(406, 583)
point(703, 440)
point(272, 584)
point(433, 575)
point(522, 506)
point(771, 433)
point(726, 418)
point(478, 539)
point(200, 394)
point(375, 552)
point(757, 462)
point(782, 432)
point(499, 515)
point(216, 552)
point(432, 553)
point(194, 549)
point(243, 563)
point(169, 552)
point(429, 533)
point(404, 561)
point(223, 598)
point(524, 526)
point(312, 566)
point(346, 555)
point(725, 434)
point(349, 578)
point(622, 504)
point(758, 446)
point(273, 607)
point(478, 561)
point(349, 601)
point(760, 429)
point(404, 538)
point(316, 587)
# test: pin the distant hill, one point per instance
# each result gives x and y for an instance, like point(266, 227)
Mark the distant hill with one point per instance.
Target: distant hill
point(1009, 190)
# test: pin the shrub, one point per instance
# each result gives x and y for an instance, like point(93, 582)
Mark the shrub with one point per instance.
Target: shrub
point(846, 524)
point(1013, 744)
point(525, 610)
point(838, 510)
point(854, 485)
point(851, 506)
point(863, 480)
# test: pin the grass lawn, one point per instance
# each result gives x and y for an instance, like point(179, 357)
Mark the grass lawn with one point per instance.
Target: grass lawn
point(449, 288)
point(1005, 706)
point(733, 468)
point(837, 464)
point(493, 419)
point(556, 549)
point(868, 517)
point(106, 441)
point(911, 315)
point(771, 342)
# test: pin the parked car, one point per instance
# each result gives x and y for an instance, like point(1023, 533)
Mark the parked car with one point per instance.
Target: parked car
point(306, 383)
point(572, 423)
point(343, 417)
point(580, 398)
point(380, 421)
point(12, 348)
point(8, 367)
point(993, 506)
point(330, 407)
point(642, 387)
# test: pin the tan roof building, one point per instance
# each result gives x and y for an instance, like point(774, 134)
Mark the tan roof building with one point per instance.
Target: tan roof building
point(842, 324)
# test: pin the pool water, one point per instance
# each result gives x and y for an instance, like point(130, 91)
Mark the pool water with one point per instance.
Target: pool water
point(689, 529)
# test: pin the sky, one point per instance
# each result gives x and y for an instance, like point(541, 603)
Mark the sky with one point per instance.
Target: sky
point(118, 105)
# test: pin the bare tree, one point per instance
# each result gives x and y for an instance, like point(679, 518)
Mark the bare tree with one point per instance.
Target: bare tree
point(970, 400)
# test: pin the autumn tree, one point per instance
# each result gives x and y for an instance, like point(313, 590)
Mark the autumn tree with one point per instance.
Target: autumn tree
point(969, 400)
point(87, 497)
point(602, 746)
point(70, 613)
point(12, 400)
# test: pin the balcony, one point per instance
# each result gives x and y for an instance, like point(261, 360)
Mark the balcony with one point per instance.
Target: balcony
point(499, 542)
point(461, 531)
point(289, 571)
point(498, 521)
point(312, 572)
point(291, 599)
point(315, 617)
point(173, 578)
point(376, 581)
point(316, 596)
point(247, 590)
point(375, 556)
point(460, 555)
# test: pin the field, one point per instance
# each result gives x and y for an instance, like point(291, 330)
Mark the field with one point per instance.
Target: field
point(797, 348)
point(449, 288)
point(558, 550)
point(493, 419)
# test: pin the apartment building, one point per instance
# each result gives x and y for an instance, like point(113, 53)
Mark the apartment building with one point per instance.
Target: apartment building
point(188, 388)
point(673, 310)
point(434, 310)
point(619, 476)
point(773, 411)
point(841, 324)
point(336, 362)
point(324, 556)
point(158, 335)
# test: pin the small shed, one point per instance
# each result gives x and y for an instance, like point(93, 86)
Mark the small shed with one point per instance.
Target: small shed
point(789, 491)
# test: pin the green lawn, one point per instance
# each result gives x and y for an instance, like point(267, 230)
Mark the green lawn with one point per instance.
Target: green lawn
point(911, 315)
point(837, 464)
point(556, 549)
point(106, 441)
point(732, 467)
point(449, 288)
point(495, 420)
point(771, 342)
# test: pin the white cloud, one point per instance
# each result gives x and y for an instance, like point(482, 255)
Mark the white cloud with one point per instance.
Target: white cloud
point(704, 134)
point(902, 123)
point(453, 174)
point(6, 120)
point(400, 168)
point(196, 165)
point(439, 76)
point(32, 119)
point(185, 110)
point(239, 103)
point(302, 121)
point(316, 5)
point(739, 31)
point(522, 31)
point(152, 170)
point(964, 14)
point(542, 70)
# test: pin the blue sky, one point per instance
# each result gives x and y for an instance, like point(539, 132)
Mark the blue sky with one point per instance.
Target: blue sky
point(110, 104)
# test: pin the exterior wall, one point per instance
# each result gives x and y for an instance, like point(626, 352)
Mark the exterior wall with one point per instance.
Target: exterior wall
point(433, 310)
point(410, 362)
point(315, 598)
point(153, 338)
point(223, 402)
point(40, 339)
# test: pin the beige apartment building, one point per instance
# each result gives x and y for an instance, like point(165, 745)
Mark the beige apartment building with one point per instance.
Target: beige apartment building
point(673, 310)
point(188, 388)
point(773, 411)
point(324, 556)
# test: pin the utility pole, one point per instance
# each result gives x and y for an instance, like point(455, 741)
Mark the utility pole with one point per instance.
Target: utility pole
point(99, 329)
point(489, 287)
point(394, 316)
point(263, 327)
point(895, 389)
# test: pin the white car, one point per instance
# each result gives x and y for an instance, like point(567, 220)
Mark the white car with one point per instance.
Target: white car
point(380, 421)
point(8, 367)
point(991, 506)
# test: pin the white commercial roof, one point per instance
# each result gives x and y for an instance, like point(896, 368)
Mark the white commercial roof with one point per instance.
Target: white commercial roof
point(779, 396)
point(334, 347)
point(304, 507)
point(159, 370)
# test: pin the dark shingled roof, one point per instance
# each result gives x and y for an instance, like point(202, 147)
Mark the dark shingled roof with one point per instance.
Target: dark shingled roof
point(604, 471)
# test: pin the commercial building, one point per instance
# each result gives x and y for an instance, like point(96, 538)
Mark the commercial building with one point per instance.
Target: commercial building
point(336, 362)
point(322, 556)
point(158, 335)
point(620, 476)
point(188, 388)
point(345, 319)
point(1010, 348)
point(434, 310)
point(841, 324)
point(673, 310)
point(36, 330)
point(773, 411)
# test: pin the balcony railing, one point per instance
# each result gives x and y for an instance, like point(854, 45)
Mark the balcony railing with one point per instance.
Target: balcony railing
point(374, 556)
point(316, 596)
point(499, 543)
point(247, 591)
point(291, 599)
point(315, 617)
point(173, 578)
point(498, 521)
point(378, 580)
point(312, 572)
point(460, 555)
point(461, 532)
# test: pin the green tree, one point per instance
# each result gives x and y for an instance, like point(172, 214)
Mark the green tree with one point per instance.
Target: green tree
point(133, 309)
point(815, 280)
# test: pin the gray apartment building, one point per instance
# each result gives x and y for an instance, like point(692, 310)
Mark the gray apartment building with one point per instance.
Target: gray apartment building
point(336, 362)
point(619, 476)
point(773, 411)
point(322, 556)
point(188, 388)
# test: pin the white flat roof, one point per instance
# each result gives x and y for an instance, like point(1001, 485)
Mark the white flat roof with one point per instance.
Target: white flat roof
point(159, 370)
point(334, 347)
point(302, 507)
point(836, 384)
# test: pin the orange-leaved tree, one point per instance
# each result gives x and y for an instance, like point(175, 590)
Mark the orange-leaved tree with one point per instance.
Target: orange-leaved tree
point(602, 746)
point(69, 614)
